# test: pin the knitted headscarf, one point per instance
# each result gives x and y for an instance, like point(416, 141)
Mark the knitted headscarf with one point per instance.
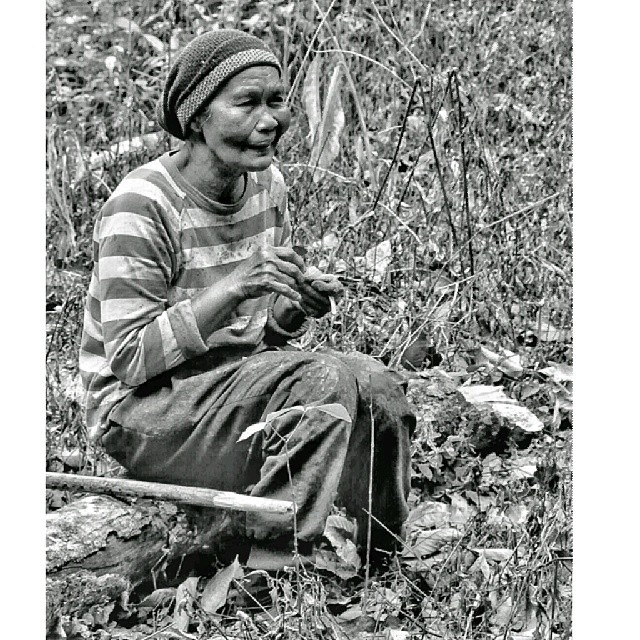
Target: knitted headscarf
point(199, 71)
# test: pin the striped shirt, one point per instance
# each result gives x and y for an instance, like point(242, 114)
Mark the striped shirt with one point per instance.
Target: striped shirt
point(157, 242)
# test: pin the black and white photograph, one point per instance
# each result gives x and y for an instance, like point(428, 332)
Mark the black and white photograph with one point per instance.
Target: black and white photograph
point(309, 320)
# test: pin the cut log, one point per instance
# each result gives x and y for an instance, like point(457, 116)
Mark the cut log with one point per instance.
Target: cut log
point(98, 548)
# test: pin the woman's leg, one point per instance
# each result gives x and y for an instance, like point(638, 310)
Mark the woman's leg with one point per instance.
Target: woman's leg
point(183, 428)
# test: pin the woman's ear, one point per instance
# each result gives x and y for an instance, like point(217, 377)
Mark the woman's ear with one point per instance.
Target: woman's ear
point(194, 132)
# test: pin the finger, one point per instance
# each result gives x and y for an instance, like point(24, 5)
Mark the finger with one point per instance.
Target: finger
point(288, 254)
point(290, 269)
point(313, 296)
point(285, 290)
point(329, 287)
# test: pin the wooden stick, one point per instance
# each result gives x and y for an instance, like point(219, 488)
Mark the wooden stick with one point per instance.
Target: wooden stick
point(171, 492)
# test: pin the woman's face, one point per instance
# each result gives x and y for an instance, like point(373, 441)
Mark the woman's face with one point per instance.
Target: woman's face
point(245, 120)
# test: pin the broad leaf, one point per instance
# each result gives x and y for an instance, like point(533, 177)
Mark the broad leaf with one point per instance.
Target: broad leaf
point(334, 410)
point(329, 560)
point(215, 593)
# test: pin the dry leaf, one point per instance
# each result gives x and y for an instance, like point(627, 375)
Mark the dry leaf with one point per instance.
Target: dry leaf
point(326, 146)
point(507, 361)
point(329, 560)
point(501, 404)
point(377, 260)
point(429, 542)
point(185, 595)
point(494, 555)
point(311, 98)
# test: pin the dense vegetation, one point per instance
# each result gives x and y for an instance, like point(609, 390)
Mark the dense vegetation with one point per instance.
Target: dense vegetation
point(429, 164)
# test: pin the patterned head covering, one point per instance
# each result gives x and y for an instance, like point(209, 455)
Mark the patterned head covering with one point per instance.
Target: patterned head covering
point(199, 71)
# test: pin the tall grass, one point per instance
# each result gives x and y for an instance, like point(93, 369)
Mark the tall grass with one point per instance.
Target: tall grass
point(456, 149)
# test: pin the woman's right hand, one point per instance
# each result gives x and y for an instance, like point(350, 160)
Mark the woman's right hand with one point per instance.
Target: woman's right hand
point(270, 270)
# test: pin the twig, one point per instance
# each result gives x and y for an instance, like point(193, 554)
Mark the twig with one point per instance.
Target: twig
point(296, 80)
point(445, 196)
point(403, 127)
point(465, 187)
point(398, 40)
point(368, 59)
point(370, 500)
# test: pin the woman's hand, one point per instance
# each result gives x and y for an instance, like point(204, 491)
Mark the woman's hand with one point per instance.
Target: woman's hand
point(270, 270)
point(316, 291)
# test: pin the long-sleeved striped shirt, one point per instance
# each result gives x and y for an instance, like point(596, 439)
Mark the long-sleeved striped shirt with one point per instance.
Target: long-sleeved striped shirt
point(157, 243)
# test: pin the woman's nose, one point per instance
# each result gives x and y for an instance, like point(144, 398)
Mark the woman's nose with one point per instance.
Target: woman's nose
point(267, 121)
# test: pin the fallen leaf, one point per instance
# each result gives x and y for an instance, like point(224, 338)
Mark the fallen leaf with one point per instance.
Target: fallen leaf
point(155, 42)
point(329, 560)
point(158, 598)
point(494, 555)
point(215, 593)
point(185, 596)
point(397, 634)
point(501, 404)
point(481, 393)
point(127, 24)
point(520, 416)
point(377, 260)
point(429, 542)
point(352, 613)
point(507, 361)
point(341, 533)
point(461, 511)
point(428, 515)
point(559, 372)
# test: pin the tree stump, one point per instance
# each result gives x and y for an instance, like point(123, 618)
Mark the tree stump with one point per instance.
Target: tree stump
point(98, 548)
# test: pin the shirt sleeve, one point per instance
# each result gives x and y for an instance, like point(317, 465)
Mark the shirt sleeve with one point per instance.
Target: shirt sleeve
point(143, 335)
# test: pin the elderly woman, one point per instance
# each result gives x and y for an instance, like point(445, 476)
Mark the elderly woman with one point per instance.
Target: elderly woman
point(194, 295)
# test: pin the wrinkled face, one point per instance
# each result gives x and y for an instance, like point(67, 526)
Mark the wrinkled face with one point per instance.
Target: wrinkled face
point(244, 121)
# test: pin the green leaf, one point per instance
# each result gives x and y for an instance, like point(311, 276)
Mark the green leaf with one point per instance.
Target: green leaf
point(156, 43)
point(253, 429)
point(215, 593)
point(335, 410)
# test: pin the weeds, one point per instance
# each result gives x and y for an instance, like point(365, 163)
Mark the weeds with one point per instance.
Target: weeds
point(454, 166)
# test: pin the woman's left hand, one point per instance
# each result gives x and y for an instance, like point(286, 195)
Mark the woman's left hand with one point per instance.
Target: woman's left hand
point(316, 292)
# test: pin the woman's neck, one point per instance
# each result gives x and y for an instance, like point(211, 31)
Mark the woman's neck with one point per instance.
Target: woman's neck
point(197, 168)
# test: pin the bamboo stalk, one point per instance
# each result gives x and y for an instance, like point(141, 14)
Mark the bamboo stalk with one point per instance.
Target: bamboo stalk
point(175, 493)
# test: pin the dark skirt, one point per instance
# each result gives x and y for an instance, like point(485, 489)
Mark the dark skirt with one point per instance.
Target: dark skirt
point(182, 427)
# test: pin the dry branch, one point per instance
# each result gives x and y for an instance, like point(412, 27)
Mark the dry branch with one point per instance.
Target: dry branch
point(197, 496)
